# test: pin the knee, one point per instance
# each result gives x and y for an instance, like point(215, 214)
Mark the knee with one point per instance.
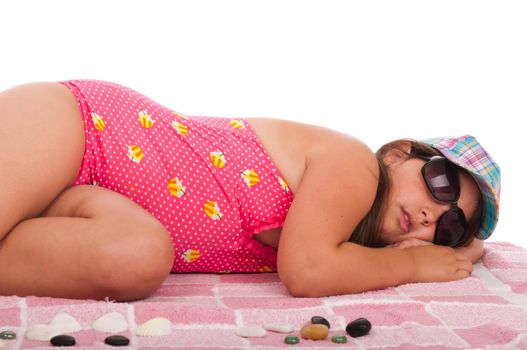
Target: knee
point(136, 267)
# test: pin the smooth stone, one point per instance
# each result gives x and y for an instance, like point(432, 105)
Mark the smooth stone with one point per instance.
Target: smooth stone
point(339, 339)
point(291, 339)
point(62, 340)
point(117, 340)
point(320, 320)
point(358, 327)
point(7, 335)
point(251, 332)
point(314, 331)
point(278, 327)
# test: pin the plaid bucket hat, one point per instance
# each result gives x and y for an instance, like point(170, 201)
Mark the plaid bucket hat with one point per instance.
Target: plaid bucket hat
point(466, 152)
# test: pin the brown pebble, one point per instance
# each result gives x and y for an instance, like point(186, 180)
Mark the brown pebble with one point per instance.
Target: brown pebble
point(314, 331)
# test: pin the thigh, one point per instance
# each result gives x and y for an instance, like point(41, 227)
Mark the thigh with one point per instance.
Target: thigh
point(95, 202)
point(42, 145)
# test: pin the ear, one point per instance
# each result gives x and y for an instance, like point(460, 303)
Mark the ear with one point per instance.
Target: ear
point(398, 153)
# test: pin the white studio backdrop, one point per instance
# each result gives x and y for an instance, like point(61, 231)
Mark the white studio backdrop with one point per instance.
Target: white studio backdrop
point(378, 70)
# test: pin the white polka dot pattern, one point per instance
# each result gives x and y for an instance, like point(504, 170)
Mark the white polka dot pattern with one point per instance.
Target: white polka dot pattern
point(208, 180)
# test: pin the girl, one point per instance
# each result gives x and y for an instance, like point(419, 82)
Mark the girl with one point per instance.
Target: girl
point(105, 192)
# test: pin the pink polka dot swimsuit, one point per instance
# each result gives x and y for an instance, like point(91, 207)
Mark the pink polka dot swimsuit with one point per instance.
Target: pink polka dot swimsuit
point(208, 180)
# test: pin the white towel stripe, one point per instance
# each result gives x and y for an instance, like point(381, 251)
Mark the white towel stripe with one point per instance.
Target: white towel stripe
point(133, 326)
point(498, 287)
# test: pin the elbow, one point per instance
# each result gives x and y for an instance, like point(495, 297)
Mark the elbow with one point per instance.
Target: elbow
point(299, 291)
point(304, 286)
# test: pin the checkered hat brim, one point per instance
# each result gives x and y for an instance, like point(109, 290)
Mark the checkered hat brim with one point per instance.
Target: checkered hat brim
point(466, 152)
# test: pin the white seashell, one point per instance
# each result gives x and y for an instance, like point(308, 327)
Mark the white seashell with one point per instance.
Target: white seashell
point(66, 323)
point(112, 322)
point(155, 327)
point(42, 332)
point(251, 332)
point(278, 327)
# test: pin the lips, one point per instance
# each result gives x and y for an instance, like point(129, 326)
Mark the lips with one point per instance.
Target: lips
point(404, 221)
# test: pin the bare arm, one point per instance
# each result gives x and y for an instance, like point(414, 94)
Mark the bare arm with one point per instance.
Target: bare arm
point(336, 191)
point(473, 252)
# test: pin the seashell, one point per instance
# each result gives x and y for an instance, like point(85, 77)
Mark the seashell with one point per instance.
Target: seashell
point(278, 327)
point(112, 322)
point(155, 327)
point(42, 332)
point(251, 332)
point(66, 323)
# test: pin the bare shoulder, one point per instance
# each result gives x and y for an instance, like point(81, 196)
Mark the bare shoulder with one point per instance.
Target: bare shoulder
point(293, 145)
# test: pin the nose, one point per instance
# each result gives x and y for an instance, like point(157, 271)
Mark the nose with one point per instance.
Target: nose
point(425, 217)
point(428, 216)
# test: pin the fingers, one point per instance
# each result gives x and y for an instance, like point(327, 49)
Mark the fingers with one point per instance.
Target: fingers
point(465, 267)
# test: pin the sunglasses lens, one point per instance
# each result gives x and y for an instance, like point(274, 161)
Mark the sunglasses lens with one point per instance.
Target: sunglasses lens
point(450, 228)
point(442, 179)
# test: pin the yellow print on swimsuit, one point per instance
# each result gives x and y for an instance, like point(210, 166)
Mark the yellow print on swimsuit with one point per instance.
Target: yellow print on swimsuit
point(145, 119)
point(135, 153)
point(98, 122)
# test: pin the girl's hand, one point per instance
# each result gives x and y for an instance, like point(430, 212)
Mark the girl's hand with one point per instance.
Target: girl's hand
point(409, 242)
point(433, 263)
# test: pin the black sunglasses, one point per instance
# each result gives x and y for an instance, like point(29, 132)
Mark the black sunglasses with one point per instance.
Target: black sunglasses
point(442, 180)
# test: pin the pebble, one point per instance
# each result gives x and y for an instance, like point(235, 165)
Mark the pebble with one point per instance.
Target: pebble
point(62, 340)
point(339, 339)
point(320, 320)
point(251, 332)
point(278, 327)
point(314, 331)
point(117, 340)
point(291, 339)
point(7, 335)
point(359, 327)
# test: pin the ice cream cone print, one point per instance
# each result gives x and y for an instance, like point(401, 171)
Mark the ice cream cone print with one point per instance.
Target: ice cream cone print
point(191, 255)
point(250, 177)
point(237, 124)
point(265, 268)
point(284, 185)
point(181, 129)
point(218, 159)
point(176, 188)
point(212, 210)
point(98, 122)
point(179, 115)
point(135, 153)
point(145, 119)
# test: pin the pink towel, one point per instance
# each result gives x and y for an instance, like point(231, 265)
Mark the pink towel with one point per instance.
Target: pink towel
point(486, 311)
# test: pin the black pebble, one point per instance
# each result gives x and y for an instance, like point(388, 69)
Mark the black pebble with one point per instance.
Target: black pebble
point(320, 320)
point(63, 340)
point(359, 327)
point(117, 340)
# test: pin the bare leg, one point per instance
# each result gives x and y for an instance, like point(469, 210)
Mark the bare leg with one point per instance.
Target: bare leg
point(123, 253)
point(42, 143)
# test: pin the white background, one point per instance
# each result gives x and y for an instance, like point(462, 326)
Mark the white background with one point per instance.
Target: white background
point(378, 70)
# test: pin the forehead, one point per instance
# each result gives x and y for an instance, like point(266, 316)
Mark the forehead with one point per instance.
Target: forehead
point(468, 199)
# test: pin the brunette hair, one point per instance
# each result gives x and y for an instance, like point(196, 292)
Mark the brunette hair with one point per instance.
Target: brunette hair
point(367, 232)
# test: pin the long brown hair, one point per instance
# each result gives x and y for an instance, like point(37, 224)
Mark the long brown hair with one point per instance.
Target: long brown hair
point(367, 233)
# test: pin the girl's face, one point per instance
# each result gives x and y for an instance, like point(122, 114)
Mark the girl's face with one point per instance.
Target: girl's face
point(411, 211)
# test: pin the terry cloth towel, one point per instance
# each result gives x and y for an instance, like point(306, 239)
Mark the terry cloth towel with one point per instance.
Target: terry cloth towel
point(485, 311)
